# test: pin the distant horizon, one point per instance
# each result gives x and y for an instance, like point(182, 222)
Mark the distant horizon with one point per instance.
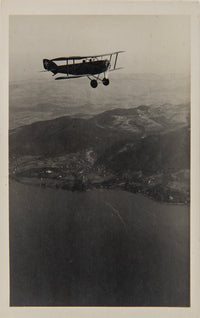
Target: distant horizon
point(117, 75)
point(44, 98)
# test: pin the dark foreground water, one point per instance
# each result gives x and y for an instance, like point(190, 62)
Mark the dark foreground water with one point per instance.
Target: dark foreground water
point(98, 248)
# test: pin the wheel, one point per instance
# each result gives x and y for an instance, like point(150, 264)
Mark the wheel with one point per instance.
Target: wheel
point(106, 81)
point(93, 83)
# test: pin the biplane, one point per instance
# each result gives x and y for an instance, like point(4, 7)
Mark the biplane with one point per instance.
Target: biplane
point(95, 68)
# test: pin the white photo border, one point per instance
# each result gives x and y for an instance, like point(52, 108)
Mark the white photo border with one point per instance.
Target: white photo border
point(101, 7)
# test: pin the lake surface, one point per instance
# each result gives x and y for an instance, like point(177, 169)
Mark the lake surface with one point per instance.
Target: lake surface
point(96, 248)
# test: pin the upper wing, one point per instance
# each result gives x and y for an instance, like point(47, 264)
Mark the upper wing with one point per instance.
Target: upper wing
point(84, 57)
point(68, 58)
point(108, 54)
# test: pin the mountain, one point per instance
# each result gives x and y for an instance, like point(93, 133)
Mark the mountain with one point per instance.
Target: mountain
point(158, 153)
point(62, 135)
point(145, 119)
point(145, 149)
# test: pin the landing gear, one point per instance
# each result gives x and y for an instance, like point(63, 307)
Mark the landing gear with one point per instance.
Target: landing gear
point(93, 83)
point(105, 81)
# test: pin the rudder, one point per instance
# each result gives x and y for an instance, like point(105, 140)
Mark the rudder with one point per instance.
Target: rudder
point(50, 66)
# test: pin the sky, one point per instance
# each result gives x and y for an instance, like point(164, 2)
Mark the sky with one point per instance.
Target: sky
point(153, 44)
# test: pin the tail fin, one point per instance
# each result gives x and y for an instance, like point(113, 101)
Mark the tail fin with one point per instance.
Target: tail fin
point(50, 66)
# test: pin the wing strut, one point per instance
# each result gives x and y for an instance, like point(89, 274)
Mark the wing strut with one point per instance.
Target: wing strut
point(67, 68)
point(116, 59)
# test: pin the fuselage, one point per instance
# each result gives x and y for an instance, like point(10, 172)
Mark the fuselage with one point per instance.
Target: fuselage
point(84, 68)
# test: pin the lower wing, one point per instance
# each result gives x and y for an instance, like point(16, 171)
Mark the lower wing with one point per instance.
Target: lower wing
point(116, 69)
point(69, 77)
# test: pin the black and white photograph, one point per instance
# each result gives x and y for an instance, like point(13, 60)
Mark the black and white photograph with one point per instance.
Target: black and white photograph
point(99, 160)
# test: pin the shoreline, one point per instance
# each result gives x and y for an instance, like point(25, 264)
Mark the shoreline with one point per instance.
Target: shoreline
point(80, 187)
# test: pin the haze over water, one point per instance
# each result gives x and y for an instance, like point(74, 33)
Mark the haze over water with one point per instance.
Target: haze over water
point(44, 98)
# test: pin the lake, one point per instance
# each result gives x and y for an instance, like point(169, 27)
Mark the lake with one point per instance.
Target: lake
point(96, 248)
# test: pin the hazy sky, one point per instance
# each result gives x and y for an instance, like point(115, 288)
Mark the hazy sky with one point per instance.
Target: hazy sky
point(153, 44)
